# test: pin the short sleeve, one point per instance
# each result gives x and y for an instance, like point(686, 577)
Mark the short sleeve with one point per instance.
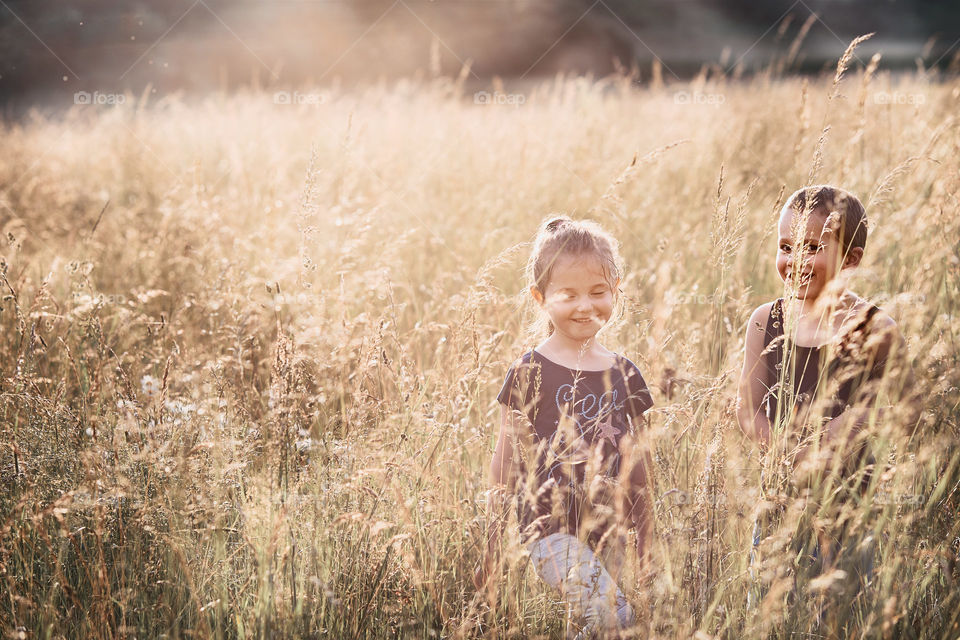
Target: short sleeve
point(516, 390)
point(510, 394)
point(639, 399)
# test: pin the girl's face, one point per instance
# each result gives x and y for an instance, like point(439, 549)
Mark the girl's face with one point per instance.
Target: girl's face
point(811, 257)
point(579, 297)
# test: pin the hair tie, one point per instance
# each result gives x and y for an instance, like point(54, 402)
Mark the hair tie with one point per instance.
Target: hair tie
point(555, 223)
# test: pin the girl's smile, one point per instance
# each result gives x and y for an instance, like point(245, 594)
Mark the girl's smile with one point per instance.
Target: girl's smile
point(579, 297)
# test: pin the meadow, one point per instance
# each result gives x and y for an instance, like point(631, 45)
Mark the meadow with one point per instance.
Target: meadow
point(250, 347)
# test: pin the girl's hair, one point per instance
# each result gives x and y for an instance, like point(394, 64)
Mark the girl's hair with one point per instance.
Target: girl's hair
point(560, 235)
point(824, 200)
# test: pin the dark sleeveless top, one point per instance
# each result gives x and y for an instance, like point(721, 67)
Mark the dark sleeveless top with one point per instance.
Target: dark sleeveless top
point(826, 380)
point(823, 382)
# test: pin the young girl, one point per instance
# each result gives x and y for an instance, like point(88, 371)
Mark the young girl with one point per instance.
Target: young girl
point(569, 408)
point(814, 362)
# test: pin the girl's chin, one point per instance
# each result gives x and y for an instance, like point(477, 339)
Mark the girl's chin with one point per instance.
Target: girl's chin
point(581, 331)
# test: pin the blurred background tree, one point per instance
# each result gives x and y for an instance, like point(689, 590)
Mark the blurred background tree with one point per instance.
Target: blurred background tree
point(50, 49)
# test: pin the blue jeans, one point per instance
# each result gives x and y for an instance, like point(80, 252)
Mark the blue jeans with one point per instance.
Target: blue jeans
point(590, 592)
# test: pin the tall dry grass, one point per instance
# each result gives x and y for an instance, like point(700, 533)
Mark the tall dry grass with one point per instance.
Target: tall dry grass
point(250, 351)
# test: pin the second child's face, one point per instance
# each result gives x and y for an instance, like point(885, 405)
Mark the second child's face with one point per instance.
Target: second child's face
point(579, 297)
point(809, 258)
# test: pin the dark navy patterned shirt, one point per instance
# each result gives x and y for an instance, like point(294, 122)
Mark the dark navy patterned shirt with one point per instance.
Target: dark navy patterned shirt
point(571, 414)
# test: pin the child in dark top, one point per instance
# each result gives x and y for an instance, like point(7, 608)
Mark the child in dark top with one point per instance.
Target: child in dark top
point(816, 357)
point(570, 411)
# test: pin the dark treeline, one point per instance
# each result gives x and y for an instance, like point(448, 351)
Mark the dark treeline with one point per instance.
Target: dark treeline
point(50, 49)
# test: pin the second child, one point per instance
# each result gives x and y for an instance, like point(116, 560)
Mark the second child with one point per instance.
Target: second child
point(814, 364)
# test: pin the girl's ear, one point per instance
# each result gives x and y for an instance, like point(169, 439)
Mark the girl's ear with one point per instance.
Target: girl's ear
point(853, 257)
point(536, 295)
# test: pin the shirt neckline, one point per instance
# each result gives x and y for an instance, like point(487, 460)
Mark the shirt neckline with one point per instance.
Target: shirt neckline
point(803, 346)
point(616, 360)
point(781, 332)
point(835, 340)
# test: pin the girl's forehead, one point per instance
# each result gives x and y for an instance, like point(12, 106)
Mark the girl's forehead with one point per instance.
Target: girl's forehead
point(578, 261)
point(578, 268)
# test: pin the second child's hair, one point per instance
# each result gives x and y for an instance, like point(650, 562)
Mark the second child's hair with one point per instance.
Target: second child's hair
point(562, 236)
point(824, 200)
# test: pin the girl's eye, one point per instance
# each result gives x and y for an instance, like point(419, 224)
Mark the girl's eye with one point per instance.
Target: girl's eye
point(597, 294)
point(785, 248)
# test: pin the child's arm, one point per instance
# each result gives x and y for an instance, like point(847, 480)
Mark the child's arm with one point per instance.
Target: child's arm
point(641, 500)
point(502, 479)
point(754, 379)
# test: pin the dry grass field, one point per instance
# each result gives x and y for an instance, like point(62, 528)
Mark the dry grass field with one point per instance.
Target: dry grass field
point(249, 349)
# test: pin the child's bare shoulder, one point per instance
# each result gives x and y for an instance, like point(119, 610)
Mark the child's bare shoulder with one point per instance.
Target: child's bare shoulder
point(876, 324)
point(878, 319)
point(755, 337)
point(760, 317)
